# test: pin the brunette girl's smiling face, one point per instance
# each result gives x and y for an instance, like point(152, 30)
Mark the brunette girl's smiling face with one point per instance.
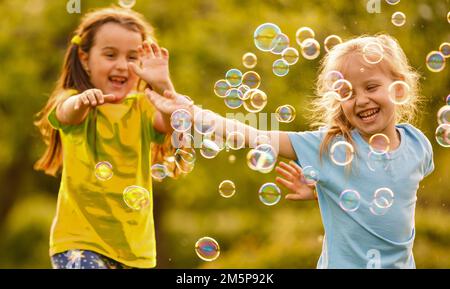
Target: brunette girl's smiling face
point(369, 109)
point(107, 61)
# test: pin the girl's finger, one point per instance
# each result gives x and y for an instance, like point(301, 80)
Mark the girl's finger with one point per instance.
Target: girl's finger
point(296, 167)
point(84, 99)
point(156, 50)
point(284, 173)
point(141, 51)
point(169, 94)
point(165, 53)
point(77, 103)
point(108, 98)
point(91, 97)
point(288, 168)
point(99, 96)
point(285, 183)
point(148, 50)
point(294, 197)
point(135, 68)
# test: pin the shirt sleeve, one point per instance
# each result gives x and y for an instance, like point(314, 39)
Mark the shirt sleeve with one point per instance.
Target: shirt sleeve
point(428, 161)
point(53, 120)
point(307, 147)
point(148, 112)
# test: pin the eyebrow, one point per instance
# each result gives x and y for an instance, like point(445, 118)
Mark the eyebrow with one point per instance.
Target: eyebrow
point(114, 48)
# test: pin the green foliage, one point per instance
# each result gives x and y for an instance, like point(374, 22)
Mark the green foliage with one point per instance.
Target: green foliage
point(205, 39)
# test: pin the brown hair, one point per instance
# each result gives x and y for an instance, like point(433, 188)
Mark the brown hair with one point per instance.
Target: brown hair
point(74, 76)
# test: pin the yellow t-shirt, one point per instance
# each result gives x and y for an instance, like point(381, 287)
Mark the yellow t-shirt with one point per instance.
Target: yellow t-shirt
point(91, 214)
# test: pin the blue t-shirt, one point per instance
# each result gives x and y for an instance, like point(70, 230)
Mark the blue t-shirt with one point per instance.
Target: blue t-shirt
point(367, 226)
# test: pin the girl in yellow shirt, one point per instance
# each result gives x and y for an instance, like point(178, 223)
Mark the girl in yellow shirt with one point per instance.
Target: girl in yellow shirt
point(98, 127)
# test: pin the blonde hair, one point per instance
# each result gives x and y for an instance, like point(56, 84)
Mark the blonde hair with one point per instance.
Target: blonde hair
point(328, 112)
point(73, 76)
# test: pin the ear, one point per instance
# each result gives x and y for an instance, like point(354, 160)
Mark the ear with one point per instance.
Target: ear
point(84, 59)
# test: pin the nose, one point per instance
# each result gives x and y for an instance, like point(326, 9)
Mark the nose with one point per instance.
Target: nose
point(361, 99)
point(122, 64)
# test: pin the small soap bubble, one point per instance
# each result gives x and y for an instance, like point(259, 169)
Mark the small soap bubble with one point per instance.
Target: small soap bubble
point(310, 175)
point(221, 88)
point(255, 100)
point(435, 61)
point(399, 92)
point(285, 113)
point(373, 53)
point(444, 48)
point(205, 122)
point(282, 42)
point(243, 89)
point(331, 41)
point(448, 100)
point(343, 89)
point(265, 36)
point(235, 140)
point(442, 135)
point(310, 49)
point(159, 172)
point(128, 4)
point(392, 2)
point(304, 33)
point(379, 143)
point(342, 153)
point(398, 18)
point(349, 200)
point(233, 77)
point(136, 197)
point(181, 120)
point(269, 194)
point(249, 60)
point(209, 149)
point(251, 79)
point(378, 162)
point(291, 55)
point(185, 159)
point(376, 210)
point(231, 159)
point(103, 171)
point(331, 77)
point(182, 140)
point(280, 67)
point(262, 158)
point(227, 189)
point(233, 98)
point(207, 249)
point(443, 114)
point(383, 198)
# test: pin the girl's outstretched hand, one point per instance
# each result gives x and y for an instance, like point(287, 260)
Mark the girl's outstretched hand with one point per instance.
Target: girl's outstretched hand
point(294, 181)
point(169, 101)
point(154, 66)
point(91, 98)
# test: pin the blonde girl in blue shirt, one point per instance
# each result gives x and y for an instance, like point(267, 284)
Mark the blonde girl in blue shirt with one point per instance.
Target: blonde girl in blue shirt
point(362, 228)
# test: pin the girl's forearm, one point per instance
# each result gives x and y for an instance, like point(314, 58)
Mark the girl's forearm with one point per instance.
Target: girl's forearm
point(67, 114)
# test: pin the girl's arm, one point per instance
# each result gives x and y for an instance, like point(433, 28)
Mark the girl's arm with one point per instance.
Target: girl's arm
point(172, 101)
point(74, 109)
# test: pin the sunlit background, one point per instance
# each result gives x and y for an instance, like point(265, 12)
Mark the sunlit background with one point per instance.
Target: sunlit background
point(206, 38)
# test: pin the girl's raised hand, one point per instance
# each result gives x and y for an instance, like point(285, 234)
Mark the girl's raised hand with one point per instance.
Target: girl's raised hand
point(294, 181)
point(154, 66)
point(92, 97)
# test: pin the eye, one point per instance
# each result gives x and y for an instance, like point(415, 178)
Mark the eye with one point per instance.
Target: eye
point(133, 58)
point(372, 87)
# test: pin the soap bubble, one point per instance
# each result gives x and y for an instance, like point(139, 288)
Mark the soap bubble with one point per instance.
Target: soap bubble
point(205, 122)
point(282, 42)
point(310, 175)
point(310, 49)
point(136, 197)
point(265, 36)
point(221, 88)
point(304, 33)
point(207, 249)
point(399, 92)
point(233, 77)
point(442, 135)
point(285, 113)
point(251, 79)
point(379, 143)
point(209, 149)
point(398, 18)
point(349, 200)
point(342, 153)
point(280, 67)
point(103, 171)
point(331, 41)
point(249, 60)
point(128, 4)
point(435, 61)
point(443, 114)
point(269, 194)
point(181, 120)
point(159, 172)
point(235, 140)
point(373, 53)
point(290, 55)
point(227, 189)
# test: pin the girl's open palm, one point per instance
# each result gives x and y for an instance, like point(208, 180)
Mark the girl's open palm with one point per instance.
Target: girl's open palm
point(294, 181)
point(154, 66)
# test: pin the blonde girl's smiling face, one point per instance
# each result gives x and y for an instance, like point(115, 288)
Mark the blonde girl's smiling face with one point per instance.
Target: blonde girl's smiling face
point(369, 109)
point(107, 61)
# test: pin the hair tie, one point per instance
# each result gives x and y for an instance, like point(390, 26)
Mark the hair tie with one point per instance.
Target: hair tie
point(76, 40)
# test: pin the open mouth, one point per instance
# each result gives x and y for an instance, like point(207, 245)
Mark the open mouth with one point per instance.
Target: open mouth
point(118, 81)
point(369, 114)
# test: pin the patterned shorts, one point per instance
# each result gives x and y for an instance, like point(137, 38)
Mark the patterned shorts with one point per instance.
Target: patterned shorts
point(83, 259)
